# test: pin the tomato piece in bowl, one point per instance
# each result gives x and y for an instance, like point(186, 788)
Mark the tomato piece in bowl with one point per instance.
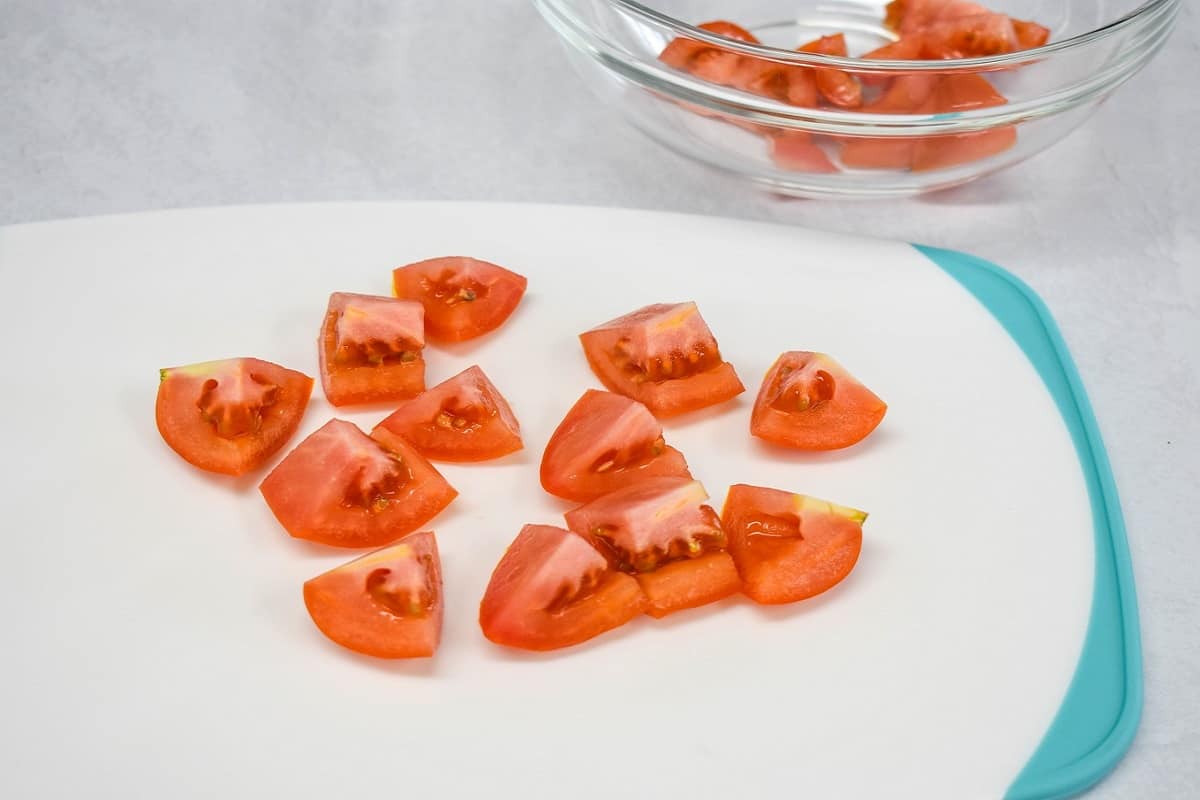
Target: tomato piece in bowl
point(810, 402)
point(606, 441)
point(343, 488)
point(464, 418)
point(660, 531)
point(663, 356)
point(371, 349)
point(386, 604)
point(838, 87)
point(553, 588)
point(230, 416)
point(463, 297)
point(789, 547)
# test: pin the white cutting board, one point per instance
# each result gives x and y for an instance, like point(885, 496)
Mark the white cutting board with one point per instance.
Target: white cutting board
point(156, 644)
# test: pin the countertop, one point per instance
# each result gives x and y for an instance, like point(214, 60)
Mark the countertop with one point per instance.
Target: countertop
point(110, 107)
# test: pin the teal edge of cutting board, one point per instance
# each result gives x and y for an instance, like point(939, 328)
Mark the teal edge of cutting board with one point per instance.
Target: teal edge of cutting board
point(1099, 715)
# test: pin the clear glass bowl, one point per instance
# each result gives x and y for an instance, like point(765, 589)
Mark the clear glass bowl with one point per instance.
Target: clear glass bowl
point(1095, 46)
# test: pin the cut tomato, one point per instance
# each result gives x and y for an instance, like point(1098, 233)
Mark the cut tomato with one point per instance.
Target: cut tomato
point(554, 589)
point(969, 37)
point(962, 92)
point(907, 94)
point(877, 152)
point(370, 349)
point(789, 547)
point(660, 531)
point(606, 441)
point(837, 86)
point(808, 401)
point(1030, 34)
point(464, 418)
point(386, 604)
point(463, 297)
point(681, 52)
point(664, 356)
point(907, 16)
point(796, 151)
point(343, 488)
point(906, 48)
point(230, 416)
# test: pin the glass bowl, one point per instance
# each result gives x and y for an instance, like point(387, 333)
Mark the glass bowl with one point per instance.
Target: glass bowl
point(982, 114)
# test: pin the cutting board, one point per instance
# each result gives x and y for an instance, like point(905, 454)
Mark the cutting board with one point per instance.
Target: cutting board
point(985, 646)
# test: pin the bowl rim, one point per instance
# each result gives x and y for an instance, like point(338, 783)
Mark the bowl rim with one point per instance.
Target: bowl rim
point(884, 65)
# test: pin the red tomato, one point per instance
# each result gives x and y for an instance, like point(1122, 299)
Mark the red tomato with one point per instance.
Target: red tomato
point(464, 418)
point(230, 416)
point(796, 151)
point(606, 441)
point(370, 349)
point(907, 48)
point(907, 94)
point(664, 356)
point(968, 37)
point(660, 531)
point(909, 16)
point(730, 30)
point(837, 86)
point(877, 152)
point(554, 589)
point(343, 488)
point(808, 401)
point(789, 547)
point(962, 93)
point(386, 604)
point(463, 297)
point(1030, 34)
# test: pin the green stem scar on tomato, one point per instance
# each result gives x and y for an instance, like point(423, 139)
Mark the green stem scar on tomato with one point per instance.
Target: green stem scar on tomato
point(230, 416)
point(664, 356)
point(464, 418)
point(463, 297)
point(789, 547)
point(386, 604)
point(810, 402)
point(660, 531)
point(370, 349)
point(343, 488)
point(553, 588)
point(606, 441)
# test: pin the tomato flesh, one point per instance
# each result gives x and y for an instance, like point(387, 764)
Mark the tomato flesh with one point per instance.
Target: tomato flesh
point(553, 588)
point(343, 488)
point(962, 93)
point(810, 402)
point(371, 349)
point(464, 418)
point(230, 416)
point(463, 297)
point(663, 356)
point(837, 86)
point(660, 531)
point(789, 547)
point(796, 151)
point(969, 37)
point(386, 604)
point(606, 441)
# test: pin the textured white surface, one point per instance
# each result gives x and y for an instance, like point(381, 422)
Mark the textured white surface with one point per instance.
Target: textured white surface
point(123, 106)
point(173, 624)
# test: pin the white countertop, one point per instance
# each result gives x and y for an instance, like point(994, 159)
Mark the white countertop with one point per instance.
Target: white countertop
point(127, 106)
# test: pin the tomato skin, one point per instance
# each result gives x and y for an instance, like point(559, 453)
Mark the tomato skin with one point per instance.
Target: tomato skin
point(353, 382)
point(598, 424)
point(677, 332)
point(429, 421)
point(837, 86)
point(342, 488)
point(789, 547)
point(183, 426)
point(463, 297)
point(832, 410)
point(524, 605)
point(345, 603)
point(689, 584)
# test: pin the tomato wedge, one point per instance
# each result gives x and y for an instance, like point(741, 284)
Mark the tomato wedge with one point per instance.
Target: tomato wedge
point(464, 418)
point(664, 356)
point(553, 589)
point(701, 58)
point(343, 488)
point(796, 151)
point(810, 402)
point(837, 86)
point(1030, 34)
point(962, 92)
point(370, 349)
point(660, 531)
point(907, 16)
point(968, 37)
point(789, 547)
point(230, 416)
point(606, 441)
point(463, 297)
point(386, 604)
